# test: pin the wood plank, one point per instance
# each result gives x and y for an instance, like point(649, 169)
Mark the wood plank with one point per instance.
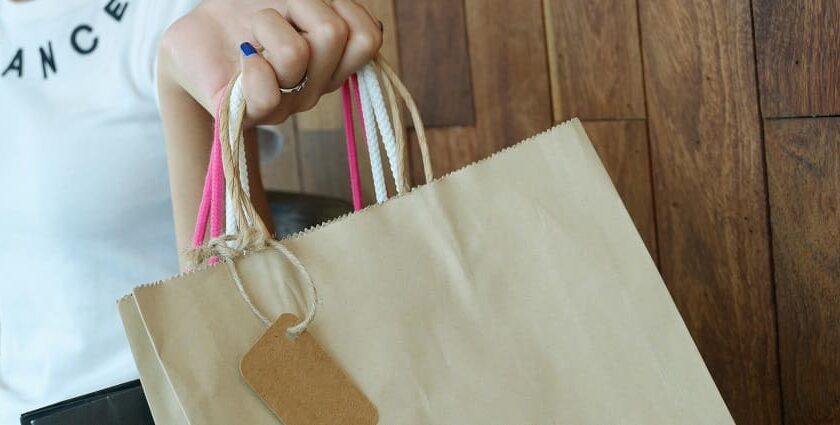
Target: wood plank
point(512, 98)
point(281, 171)
point(511, 92)
point(803, 164)
point(708, 171)
point(623, 148)
point(797, 50)
point(595, 59)
point(450, 149)
point(433, 32)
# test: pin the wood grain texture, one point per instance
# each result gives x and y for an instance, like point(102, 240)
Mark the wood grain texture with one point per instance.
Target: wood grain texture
point(435, 61)
point(623, 148)
point(595, 57)
point(708, 171)
point(450, 149)
point(511, 92)
point(803, 167)
point(797, 50)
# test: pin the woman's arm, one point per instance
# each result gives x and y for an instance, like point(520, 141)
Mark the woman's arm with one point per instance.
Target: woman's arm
point(188, 131)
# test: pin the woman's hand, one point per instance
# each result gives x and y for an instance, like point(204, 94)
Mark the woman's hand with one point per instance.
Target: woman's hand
point(319, 40)
point(199, 55)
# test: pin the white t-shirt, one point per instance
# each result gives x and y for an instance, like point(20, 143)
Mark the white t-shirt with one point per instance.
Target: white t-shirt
point(84, 207)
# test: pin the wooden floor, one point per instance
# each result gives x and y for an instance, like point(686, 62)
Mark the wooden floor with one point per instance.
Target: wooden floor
point(718, 121)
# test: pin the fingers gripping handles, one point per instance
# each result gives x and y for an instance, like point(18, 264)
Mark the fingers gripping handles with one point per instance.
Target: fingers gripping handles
point(232, 148)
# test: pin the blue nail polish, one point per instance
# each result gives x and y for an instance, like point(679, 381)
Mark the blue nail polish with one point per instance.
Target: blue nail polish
point(247, 49)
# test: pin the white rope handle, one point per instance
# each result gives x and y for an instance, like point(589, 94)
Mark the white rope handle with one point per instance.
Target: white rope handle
point(383, 121)
point(372, 138)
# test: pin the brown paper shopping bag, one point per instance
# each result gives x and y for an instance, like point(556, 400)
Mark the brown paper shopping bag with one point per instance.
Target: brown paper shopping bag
point(513, 291)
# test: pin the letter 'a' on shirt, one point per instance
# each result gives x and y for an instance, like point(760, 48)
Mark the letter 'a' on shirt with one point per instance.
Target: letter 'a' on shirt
point(86, 203)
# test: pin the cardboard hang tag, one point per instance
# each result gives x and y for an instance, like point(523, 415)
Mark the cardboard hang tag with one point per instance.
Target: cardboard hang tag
point(300, 383)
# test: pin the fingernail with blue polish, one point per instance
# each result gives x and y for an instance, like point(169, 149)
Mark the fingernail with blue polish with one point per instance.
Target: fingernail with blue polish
point(247, 49)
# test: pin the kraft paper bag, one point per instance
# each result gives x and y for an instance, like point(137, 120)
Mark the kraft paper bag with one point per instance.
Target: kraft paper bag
point(513, 291)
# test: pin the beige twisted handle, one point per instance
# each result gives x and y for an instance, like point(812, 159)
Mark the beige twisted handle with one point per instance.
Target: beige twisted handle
point(390, 81)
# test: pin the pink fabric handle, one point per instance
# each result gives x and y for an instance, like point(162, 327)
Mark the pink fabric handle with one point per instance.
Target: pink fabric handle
point(217, 202)
point(350, 136)
point(212, 204)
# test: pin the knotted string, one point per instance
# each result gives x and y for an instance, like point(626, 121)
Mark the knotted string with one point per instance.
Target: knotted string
point(228, 247)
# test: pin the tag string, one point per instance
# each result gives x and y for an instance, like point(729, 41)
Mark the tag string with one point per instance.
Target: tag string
point(294, 331)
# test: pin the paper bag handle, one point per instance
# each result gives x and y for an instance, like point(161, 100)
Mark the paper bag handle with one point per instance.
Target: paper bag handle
point(243, 207)
point(375, 107)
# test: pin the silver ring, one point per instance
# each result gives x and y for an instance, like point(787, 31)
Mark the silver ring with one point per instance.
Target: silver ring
point(298, 88)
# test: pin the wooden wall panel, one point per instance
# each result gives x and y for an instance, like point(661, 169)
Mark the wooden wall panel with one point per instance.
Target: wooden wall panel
point(450, 148)
point(623, 148)
point(804, 177)
point(435, 61)
point(596, 63)
point(510, 91)
point(708, 170)
point(798, 50)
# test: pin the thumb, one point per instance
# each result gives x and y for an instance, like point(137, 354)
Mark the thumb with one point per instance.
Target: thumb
point(259, 85)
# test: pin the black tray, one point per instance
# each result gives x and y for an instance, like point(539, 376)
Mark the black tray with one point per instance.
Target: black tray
point(123, 404)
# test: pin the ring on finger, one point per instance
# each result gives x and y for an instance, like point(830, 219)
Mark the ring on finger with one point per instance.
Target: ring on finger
point(297, 88)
